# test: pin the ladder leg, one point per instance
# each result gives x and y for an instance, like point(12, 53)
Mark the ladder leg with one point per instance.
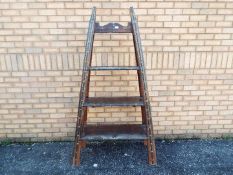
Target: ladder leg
point(146, 111)
point(77, 154)
point(82, 111)
point(78, 144)
point(151, 153)
point(76, 158)
point(83, 144)
point(145, 142)
point(84, 119)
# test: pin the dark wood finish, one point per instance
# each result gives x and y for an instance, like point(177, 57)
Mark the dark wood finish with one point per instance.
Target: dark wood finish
point(85, 132)
point(76, 156)
point(97, 68)
point(140, 82)
point(145, 142)
point(146, 111)
point(82, 111)
point(83, 144)
point(114, 132)
point(112, 28)
point(113, 101)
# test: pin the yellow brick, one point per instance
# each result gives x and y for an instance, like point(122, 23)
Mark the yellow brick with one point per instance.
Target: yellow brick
point(73, 5)
point(165, 4)
point(55, 5)
point(147, 4)
point(47, 12)
point(187, 49)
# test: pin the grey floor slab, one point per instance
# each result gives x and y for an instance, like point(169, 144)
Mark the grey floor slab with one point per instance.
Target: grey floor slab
point(179, 157)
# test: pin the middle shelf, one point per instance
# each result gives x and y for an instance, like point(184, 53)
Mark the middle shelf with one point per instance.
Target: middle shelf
point(113, 101)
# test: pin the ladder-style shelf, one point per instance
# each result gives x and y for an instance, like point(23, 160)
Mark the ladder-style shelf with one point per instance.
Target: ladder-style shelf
point(86, 132)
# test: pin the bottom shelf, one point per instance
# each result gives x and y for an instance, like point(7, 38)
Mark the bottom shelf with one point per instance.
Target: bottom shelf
point(114, 132)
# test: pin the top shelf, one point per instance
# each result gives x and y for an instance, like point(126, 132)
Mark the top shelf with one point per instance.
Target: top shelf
point(97, 68)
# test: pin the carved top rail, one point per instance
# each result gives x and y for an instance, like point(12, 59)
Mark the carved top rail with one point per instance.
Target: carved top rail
point(113, 28)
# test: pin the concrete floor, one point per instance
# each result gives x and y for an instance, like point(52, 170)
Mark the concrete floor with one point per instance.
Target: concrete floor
point(174, 157)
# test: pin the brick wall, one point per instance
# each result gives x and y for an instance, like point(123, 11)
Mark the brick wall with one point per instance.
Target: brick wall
point(188, 53)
